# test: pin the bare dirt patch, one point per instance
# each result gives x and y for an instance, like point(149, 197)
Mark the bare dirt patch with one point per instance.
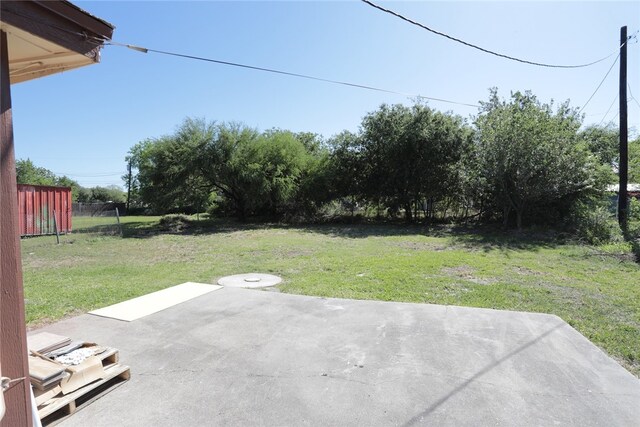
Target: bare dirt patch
point(35, 262)
point(524, 271)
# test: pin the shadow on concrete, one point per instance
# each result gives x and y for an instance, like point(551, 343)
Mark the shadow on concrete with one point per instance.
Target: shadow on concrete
point(419, 417)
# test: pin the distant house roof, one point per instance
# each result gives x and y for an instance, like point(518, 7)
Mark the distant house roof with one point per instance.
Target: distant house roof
point(631, 188)
point(46, 37)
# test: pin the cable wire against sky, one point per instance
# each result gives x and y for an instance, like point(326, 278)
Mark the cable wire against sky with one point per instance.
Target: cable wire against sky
point(286, 73)
point(609, 109)
point(634, 36)
point(632, 97)
point(99, 41)
point(501, 55)
point(613, 120)
point(89, 176)
point(601, 81)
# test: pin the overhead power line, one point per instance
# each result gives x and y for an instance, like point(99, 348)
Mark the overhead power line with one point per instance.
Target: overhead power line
point(632, 97)
point(100, 41)
point(607, 113)
point(609, 109)
point(89, 176)
point(613, 119)
point(601, 81)
point(474, 46)
point(286, 73)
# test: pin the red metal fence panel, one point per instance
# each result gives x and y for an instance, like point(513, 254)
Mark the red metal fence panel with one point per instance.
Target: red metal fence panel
point(36, 206)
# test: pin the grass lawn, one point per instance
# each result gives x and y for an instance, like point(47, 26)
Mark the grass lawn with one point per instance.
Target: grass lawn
point(595, 289)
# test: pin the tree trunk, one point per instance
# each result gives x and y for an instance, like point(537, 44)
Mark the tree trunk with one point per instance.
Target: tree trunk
point(505, 215)
point(407, 212)
point(519, 219)
point(241, 211)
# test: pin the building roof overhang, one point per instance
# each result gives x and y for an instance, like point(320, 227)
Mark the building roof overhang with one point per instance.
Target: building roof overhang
point(45, 38)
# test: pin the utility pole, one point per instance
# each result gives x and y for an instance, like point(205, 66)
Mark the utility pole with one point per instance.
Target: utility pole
point(129, 179)
point(623, 166)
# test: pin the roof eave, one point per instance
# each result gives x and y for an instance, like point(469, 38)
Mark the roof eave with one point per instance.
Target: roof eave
point(74, 36)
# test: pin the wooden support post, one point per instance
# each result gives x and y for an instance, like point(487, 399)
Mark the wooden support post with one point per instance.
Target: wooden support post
point(129, 182)
point(119, 224)
point(13, 334)
point(55, 227)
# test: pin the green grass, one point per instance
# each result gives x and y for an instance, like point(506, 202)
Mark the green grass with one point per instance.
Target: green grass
point(595, 289)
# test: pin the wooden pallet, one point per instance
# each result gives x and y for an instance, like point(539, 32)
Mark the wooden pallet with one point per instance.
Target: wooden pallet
point(109, 357)
point(60, 407)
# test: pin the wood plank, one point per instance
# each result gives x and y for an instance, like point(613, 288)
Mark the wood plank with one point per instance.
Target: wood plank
point(154, 302)
point(44, 342)
point(43, 370)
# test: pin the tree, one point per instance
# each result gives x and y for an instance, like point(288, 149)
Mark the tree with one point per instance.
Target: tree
point(603, 142)
point(222, 165)
point(634, 161)
point(82, 195)
point(28, 173)
point(267, 173)
point(346, 168)
point(131, 183)
point(531, 155)
point(245, 172)
point(110, 193)
point(315, 182)
point(410, 155)
point(168, 174)
point(312, 142)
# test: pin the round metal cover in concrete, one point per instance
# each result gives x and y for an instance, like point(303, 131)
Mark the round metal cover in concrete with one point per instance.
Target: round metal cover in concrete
point(250, 280)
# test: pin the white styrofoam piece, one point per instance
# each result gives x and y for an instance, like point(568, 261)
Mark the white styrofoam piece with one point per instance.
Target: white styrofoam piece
point(156, 301)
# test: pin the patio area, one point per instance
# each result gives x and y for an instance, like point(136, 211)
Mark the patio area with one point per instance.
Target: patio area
point(251, 357)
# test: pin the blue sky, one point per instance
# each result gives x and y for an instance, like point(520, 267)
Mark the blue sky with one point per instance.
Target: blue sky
point(82, 123)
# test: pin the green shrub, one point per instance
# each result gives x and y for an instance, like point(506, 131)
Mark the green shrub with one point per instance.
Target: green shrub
point(634, 210)
point(595, 225)
point(174, 223)
point(634, 221)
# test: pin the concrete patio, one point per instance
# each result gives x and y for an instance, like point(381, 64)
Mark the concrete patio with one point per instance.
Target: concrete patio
point(248, 357)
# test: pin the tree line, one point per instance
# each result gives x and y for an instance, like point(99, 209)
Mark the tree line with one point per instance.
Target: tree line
point(519, 161)
point(28, 173)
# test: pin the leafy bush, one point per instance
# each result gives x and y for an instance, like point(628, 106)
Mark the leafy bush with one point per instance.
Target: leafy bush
point(174, 223)
point(634, 210)
point(595, 225)
point(634, 222)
